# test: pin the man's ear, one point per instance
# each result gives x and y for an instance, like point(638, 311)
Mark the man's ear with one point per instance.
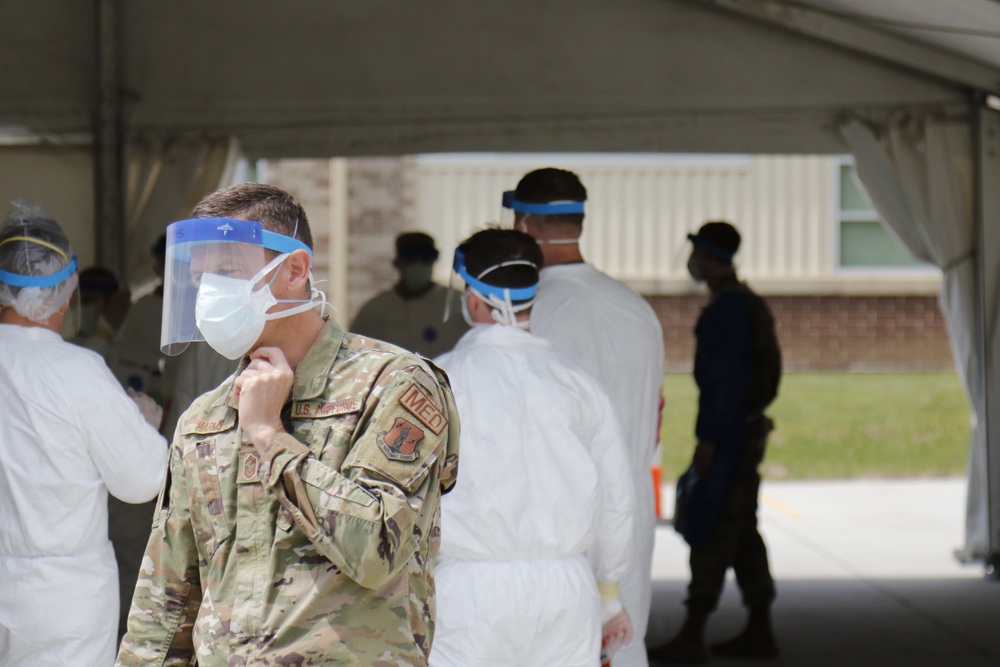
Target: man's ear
point(479, 310)
point(298, 265)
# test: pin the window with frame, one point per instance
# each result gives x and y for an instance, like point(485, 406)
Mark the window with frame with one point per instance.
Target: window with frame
point(864, 242)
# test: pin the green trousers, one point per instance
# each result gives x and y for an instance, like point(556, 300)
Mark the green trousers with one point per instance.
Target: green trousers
point(736, 543)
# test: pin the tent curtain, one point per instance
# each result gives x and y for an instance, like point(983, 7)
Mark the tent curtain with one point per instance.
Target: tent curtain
point(165, 177)
point(918, 172)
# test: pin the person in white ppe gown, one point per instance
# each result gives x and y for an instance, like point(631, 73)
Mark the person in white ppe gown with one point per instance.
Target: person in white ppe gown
point(613, 333)
point(544, 485)
point(68, 436)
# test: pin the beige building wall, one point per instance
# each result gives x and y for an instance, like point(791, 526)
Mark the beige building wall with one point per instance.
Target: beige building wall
point(640, 209)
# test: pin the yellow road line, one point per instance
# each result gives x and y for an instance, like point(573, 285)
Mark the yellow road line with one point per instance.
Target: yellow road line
point(779, 506)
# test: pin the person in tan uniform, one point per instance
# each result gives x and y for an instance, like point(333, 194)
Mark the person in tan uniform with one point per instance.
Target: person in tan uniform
point(410, 313)
point(299, 523)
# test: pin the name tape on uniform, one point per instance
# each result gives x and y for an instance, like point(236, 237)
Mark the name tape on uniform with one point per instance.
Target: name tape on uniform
point(306, 409)
point(423, 408)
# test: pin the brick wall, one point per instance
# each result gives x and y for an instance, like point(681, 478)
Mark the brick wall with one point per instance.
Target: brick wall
point(830, 333)
point(381, 192)
point(380, 205)
point(309, 182)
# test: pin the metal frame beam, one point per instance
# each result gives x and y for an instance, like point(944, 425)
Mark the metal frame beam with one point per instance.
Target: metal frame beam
point(877, 43)
point(109, 227)
point(986, 146)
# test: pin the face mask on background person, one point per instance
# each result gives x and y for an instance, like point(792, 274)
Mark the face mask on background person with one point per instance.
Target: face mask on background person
point(694, 269)
point(231, 315)
point(89, 315)
point(416, 275)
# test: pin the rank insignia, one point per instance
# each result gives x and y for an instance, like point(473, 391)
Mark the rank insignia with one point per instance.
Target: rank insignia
point(400, 442)
point(249, 468)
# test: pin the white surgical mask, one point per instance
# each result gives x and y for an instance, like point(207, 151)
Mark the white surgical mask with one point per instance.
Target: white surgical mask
point(231, 315)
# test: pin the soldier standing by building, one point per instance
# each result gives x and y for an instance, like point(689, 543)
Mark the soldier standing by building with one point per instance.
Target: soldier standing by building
point(299, 523)
point(738, 368)
point(409, 314)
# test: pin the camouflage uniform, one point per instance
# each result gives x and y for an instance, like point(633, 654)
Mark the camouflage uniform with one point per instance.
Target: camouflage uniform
point(318, 550)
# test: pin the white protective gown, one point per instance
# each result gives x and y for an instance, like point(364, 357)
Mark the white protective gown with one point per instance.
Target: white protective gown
point(613, 332)
point(68, 435)
point(413, 324)
point(543, 484)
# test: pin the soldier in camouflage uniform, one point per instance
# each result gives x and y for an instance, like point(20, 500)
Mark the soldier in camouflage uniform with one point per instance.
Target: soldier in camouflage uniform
point(299, 522)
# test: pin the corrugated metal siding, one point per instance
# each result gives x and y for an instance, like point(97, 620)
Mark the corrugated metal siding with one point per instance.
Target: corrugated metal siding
point(640, 209)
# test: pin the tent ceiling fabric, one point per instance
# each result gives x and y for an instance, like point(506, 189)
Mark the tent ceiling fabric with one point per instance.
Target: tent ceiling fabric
point(969, 27)
point(383, 77)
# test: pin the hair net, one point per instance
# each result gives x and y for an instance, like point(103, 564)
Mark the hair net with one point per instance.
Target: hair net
point(37, 268)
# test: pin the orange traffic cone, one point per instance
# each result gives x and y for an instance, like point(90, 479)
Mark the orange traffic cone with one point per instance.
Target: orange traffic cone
point(657, 469)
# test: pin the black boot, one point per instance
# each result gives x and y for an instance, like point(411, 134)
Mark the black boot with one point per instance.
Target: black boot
point(688, 647)
point(756, 640)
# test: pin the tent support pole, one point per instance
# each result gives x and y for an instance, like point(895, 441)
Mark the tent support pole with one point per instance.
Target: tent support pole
point(987, 219)
point(108, 154)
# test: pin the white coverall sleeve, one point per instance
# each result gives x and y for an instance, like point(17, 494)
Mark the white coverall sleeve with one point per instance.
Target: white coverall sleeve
point(129, 453)
point(612, 551)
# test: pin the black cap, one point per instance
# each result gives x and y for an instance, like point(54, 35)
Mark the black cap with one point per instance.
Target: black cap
point(719, 238)
point(415, 246)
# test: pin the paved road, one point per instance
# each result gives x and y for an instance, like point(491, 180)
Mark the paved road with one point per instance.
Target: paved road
point(865, 573)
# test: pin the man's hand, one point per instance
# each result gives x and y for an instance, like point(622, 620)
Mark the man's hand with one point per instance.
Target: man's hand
point(616, 632)
point(703, 453)
point(262, 389)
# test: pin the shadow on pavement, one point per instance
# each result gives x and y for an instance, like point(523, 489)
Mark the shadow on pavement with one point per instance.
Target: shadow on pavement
point(858, 622)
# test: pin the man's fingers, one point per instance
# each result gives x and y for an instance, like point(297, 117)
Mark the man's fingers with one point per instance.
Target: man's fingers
point(272, 355)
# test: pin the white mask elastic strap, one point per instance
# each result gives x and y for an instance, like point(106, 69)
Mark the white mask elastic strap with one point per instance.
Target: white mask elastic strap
point(557, 241)
point(304, 304)
point(502, 310)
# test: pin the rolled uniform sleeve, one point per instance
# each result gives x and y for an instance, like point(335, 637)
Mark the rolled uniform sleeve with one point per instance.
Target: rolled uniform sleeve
point(168, 592)
point(368, 514)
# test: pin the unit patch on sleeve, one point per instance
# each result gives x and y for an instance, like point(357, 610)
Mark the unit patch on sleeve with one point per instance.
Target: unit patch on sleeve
point(400, 442)
point(421, 407)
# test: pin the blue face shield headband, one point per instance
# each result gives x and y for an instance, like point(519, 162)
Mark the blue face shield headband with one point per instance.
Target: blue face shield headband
point(715, 250)
point(184, 234)
point(545, 208)
point(510, 294)
point(500, 299)
point(50, 280)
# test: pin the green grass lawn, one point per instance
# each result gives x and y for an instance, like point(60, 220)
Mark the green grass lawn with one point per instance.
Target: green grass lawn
point(842, 425)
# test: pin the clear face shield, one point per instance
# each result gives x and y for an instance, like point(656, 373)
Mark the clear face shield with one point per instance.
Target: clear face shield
point(500, 299)
point(216, 284)
point(514, 210)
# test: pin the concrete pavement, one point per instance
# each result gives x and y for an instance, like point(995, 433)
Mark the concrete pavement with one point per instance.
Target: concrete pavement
point(865, 574)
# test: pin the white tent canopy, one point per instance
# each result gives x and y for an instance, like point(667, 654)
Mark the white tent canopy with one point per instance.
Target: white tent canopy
point(381, 77)
point(318, 78)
